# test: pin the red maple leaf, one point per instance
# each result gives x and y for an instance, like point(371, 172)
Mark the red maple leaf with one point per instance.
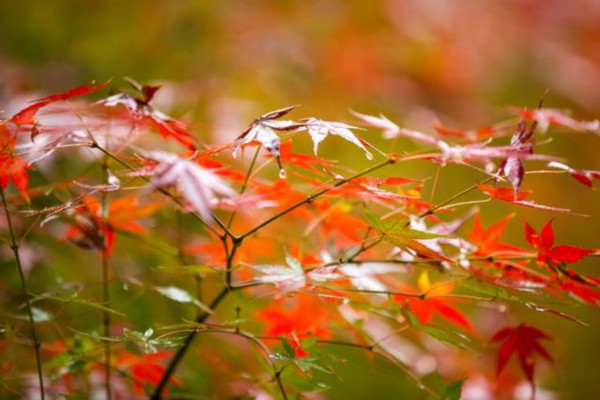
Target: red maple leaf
point(547, 252)
point(145, 369)
point(91, 232)
point(306, 318)
point(425, 309)
point(15, 169)
point(27, 115)
point(524, 340)
point(139, 108)
point(488, 240)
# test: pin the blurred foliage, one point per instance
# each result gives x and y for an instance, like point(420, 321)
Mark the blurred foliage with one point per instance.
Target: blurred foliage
point(417, 61)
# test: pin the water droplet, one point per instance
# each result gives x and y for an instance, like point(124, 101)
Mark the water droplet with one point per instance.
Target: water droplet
point(282, 174)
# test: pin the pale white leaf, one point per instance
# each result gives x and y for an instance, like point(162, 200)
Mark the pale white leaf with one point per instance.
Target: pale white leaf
point(319, 130)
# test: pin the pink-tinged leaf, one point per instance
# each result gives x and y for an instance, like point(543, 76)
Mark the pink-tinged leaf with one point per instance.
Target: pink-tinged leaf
point(512, 167)
point(27, 115)
point(319, 130)
point(140, 108)
point(548, 116)
point(390, 129)
point(198, 185)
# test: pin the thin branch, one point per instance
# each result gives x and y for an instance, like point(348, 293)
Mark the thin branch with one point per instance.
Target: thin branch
point(15, 249)
point(106, 317)
point(433, 209)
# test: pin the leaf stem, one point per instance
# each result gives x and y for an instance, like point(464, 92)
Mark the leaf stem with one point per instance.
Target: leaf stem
point(15, 249)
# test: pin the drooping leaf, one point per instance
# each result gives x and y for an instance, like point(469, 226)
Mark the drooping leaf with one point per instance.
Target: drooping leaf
point(524, 341)
point(512, 167)
point(198, 185)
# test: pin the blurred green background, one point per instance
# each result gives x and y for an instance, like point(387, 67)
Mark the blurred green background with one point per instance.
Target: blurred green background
point(417, 61)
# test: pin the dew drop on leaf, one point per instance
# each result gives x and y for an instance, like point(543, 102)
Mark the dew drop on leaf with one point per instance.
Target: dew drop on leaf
point(282, 174)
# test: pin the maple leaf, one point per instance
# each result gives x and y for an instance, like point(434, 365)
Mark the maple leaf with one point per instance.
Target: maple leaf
point(319, 130)
point(145, 369)
point(512, 167)
point(287, 279)
point(140, 108)
point(91, 231)
point(525, 341)
point(550, 254)
point(487, 240)
point(197, 185)
point(263, 131)
point(425, 308)
point(124, 212)
point(15, 169)
point(27, 115)
point(285, 319)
